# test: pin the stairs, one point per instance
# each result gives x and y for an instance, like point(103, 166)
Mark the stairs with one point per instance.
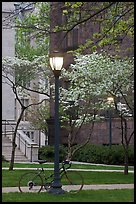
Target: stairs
point(7, 149)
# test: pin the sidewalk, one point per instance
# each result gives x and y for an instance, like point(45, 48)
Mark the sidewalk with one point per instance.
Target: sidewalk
point(97, 170)
point(85, 187)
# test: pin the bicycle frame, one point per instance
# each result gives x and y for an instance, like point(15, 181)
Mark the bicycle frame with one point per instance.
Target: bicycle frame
point(62, 170)
point(37, 180)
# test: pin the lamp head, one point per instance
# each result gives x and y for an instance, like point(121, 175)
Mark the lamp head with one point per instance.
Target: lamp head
point(110, 99)
point(56, 62)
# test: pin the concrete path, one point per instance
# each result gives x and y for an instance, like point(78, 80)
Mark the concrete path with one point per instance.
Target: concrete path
point(85, 187)
point(97, 170)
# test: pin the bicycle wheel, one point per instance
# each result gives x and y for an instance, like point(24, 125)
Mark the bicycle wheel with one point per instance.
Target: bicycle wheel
point(30, 182)
point(74, 179)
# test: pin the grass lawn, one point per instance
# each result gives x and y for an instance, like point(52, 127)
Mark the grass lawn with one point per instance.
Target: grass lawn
point(122, 195)
point(11, 178)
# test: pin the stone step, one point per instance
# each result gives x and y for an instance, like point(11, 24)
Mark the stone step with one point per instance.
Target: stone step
point(6, 139)
point(6, 145)
point(17, 158)
point(7, 149)
point(17, 152)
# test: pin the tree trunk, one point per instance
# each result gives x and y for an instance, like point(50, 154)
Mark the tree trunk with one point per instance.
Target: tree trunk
point(126, 163)
point(14, 140)
point(13, 152)
point(69, 154)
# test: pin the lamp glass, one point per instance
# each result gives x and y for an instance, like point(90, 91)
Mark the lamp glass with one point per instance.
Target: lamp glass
point(110, 99)
point(56, 63)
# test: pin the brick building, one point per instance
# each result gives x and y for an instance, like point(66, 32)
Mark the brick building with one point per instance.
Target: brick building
point(73, 39)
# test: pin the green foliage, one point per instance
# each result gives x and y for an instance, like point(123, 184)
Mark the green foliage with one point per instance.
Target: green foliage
point(113, 22)
point(37, 116)
point(100, 154)
point(47, 153)
point(90, 153)
point(31, 38)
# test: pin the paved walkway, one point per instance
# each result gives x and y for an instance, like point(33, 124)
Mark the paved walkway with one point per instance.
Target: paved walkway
point(98, 170)
point(85, 187)
point(102, 186)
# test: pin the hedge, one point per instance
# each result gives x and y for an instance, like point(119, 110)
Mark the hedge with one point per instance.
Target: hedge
point(47, 153)
point(98, 154)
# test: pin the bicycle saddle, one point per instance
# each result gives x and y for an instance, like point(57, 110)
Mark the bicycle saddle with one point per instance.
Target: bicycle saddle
point(41, 161)
point(66, 162)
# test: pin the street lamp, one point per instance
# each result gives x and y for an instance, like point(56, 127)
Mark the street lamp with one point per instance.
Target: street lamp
point(56, 63)
point(110, 100)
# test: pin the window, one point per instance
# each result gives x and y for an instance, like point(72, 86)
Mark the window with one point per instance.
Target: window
point(25, 102)
point(30, 134)
point(71, 40)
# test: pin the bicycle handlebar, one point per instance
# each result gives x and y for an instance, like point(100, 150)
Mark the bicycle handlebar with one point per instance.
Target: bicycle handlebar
point(66, 162)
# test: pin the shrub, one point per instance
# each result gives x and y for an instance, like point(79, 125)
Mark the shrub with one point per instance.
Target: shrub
point(47, 153)
point(91, 153)
point(104, 154)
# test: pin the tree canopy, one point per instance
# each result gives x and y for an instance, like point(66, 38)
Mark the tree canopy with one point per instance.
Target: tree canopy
point(96, 76)
point(114, 23)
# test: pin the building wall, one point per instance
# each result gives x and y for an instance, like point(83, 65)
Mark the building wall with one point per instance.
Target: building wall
point(10, 106)
point(100, 134)
point(8, 33)
point(8, 49)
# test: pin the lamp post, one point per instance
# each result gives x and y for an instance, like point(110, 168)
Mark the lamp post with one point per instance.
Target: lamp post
point(56, 63)
point(110, 100)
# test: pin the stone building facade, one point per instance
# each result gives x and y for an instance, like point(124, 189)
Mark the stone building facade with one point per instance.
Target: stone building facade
point(27, 137)
point(8, 49)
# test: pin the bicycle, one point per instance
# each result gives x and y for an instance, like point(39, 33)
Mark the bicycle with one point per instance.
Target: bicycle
point(38, 180)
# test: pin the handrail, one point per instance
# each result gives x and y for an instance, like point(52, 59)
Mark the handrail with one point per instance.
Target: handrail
point(28, 147)
point(6, 122)
point(23, 142)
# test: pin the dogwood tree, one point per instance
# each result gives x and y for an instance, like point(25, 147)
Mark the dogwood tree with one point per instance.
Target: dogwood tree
point(92, 78)
point(18, 74)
